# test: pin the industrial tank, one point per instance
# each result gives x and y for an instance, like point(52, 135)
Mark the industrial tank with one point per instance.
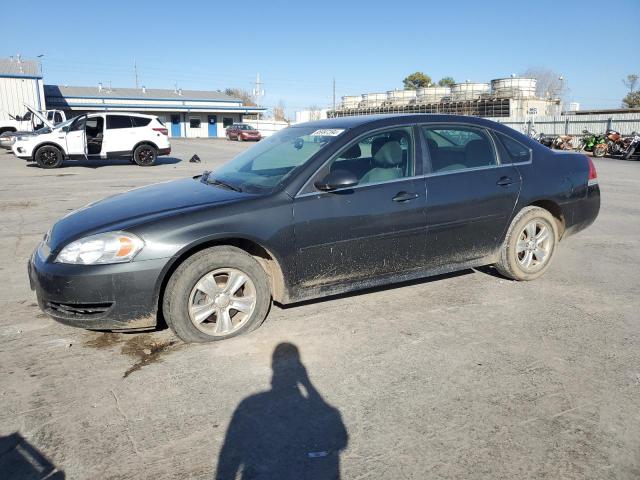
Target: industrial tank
point(400, 97)
point(514, 87)
point(432, 94)
point(351, 101)
point(468, 90)
point(373, 99)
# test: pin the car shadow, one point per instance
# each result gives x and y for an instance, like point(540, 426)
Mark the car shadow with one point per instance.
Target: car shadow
point(287, 432)
point(109, 162)
point(20, 460)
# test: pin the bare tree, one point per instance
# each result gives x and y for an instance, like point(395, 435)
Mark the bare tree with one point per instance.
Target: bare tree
point(279, 112)
point(549, 83)
point(631, 81)
point(244, 95)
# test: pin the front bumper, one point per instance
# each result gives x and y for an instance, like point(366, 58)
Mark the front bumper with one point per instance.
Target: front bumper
point(121, 296)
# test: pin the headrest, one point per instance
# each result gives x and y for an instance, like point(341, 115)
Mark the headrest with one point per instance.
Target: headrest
point(353, 152)
point(389, 155)
point(478, 153)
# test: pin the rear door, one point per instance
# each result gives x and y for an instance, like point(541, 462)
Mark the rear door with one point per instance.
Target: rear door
point(470, 193)
point(119, 135)
point(377, 227)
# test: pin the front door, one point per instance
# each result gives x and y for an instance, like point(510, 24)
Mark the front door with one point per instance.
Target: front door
point(175, 125)
point(76, 139)
point(470, 195)
point(372, 229)
point(212, 121)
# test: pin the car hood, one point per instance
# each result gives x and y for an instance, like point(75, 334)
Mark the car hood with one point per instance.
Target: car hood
point(137, 206)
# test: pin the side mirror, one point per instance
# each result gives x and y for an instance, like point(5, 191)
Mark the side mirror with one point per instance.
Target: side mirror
point(337, 179)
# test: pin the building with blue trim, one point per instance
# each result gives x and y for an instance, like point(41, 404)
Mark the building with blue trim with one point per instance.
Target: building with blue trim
point(186, 113)
point(20, 82)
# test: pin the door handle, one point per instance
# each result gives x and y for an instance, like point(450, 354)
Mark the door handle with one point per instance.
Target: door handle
point(505, 181)
point(404, 197)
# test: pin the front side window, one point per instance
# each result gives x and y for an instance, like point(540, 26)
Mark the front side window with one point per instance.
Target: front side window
point(118, 121)
point(57, 118)
point(268, 163)
point(78, 124)
point(381, 157)
point(454, 148)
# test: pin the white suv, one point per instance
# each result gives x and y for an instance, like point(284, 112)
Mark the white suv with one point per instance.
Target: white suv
point(97, 135)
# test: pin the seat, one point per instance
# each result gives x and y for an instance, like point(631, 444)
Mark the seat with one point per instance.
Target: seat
point(387, 161)
point(478, 153)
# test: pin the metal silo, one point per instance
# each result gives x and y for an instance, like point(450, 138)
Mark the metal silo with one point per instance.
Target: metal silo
point(514, 87)
point(468, 90)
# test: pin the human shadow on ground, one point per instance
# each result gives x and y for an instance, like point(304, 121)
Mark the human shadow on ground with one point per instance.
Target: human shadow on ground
point(21, 460)
point(284, 433)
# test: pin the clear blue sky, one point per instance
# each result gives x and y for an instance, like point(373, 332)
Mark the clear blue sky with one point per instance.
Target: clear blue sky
point(298, 47)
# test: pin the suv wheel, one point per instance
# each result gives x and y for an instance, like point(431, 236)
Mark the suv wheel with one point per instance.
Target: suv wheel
point(529, 245)
point(49, 156)
point(215, 294)
point(145, 155)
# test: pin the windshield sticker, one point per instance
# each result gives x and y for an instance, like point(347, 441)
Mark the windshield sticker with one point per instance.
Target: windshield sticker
point(327, 132)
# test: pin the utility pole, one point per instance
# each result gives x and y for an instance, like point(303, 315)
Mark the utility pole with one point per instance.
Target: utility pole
point(135, 71)
point(258, 92)
point(334, 94)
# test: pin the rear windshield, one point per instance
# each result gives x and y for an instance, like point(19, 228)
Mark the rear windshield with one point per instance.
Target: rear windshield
point(269, 162)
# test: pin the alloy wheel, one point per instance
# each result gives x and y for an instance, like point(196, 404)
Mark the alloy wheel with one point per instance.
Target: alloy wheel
point(534, 245)
point(222, 301)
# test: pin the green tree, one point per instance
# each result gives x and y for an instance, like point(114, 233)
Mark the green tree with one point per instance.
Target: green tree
point(632, 100)
point(446, 82)
point(416, 80)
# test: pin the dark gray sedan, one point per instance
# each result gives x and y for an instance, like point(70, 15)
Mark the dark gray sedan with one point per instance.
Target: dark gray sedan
point(318, 209)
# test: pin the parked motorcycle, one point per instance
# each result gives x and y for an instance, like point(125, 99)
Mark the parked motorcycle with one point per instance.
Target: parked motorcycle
point(563, 142)
point(589, 140)
point(545, 140)
point(616, 145)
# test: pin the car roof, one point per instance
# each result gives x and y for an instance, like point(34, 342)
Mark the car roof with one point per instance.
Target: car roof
point(129, 114)
point(387, 119)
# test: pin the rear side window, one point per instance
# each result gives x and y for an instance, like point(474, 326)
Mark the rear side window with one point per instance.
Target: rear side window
point(517, 151)
point(118, 121)
point(453, 148)
point(140, 121)
point(57, 117)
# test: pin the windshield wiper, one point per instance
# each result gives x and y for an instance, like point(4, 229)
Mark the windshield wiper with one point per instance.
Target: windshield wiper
point(215, 181)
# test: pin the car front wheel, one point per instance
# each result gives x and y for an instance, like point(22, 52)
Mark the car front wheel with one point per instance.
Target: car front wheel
point(215, 294)
point(529, 245)
point(49, 157)
point(145, 155)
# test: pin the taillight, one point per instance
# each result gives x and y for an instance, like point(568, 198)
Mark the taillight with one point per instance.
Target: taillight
point(593, 175)
point(163, 131)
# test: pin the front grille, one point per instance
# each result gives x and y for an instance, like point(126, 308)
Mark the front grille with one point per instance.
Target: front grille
point(77, 310)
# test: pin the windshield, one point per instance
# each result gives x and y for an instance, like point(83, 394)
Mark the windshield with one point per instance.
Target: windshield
point(267, 164)
point(245, 127)
point(65, 123)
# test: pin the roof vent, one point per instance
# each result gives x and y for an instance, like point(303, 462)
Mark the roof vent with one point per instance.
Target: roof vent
point(180, 91)
point(99, 86)
point(144, 89)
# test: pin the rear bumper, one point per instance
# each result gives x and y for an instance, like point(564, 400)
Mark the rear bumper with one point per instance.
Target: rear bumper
point(585, 211)
point(98, 297)
point(164, 151)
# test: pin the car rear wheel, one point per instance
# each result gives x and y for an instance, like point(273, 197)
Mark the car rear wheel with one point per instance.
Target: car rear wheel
point(49, 157)
point(145, 155)
point(529, 245)
point(215, 294)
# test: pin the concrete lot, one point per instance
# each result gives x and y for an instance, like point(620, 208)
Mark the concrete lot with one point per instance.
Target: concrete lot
point(468, 376)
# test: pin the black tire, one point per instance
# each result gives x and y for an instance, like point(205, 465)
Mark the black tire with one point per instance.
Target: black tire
point(49, 156)
point(510, 263)
point(629, 154)
point(179, 289)
point(600, 150)
point(145, 155)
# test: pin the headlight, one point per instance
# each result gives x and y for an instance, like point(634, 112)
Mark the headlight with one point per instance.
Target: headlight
point(111, 247)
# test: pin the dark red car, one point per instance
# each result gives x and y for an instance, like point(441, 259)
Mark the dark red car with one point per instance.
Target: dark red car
point(242, 132)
